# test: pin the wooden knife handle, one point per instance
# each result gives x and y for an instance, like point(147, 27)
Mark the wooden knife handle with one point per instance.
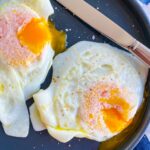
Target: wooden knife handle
point(141, 51)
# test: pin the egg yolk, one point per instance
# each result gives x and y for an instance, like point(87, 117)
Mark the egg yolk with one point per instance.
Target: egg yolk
point(58, 40)
point(105, 102)
point(39, 32)
point(115, 99)
point(116, 117)
point(114, 120)
point(35, 34)
point(1, 88)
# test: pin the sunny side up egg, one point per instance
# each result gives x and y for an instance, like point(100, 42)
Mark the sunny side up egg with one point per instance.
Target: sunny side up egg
point(26, 43)
point(26, 52)
point(95, 93)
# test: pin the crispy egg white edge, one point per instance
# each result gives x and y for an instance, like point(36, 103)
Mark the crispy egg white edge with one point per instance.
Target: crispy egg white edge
point(47, 96)
point(16, 118)
point(35, 119)
point(39, 96)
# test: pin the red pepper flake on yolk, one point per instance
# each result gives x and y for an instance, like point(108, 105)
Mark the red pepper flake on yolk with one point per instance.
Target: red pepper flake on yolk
point(35, 35)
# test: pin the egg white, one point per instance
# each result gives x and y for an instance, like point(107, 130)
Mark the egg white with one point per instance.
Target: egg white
point(33, 76)
point(13, 110)
point(42, 7)
point(79, 67)
point(35, 117)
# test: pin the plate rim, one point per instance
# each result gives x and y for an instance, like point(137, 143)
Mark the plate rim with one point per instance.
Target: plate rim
point(140, 13)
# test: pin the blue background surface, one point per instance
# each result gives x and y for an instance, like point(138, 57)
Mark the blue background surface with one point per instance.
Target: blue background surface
point(145, 1)
point(144, 144)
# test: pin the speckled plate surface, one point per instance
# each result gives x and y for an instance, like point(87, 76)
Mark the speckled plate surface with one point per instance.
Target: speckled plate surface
point(126, 14)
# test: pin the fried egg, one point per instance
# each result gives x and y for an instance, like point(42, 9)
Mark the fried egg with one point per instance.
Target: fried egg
point(95, 92)
point(25, 41)
point(25, 58)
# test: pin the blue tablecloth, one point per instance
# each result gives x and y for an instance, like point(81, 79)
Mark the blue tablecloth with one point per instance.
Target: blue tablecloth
point(144, 144)
point(145, 1)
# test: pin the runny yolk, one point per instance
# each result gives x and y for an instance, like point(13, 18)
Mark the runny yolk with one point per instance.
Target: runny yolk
point(35, 35)
point(58, 39)
point(116, 101)
point(108, 102)
point(114, 120)
point(39, 32)
point(115, 117)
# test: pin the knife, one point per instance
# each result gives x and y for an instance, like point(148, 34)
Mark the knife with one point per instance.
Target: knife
point(107, 27)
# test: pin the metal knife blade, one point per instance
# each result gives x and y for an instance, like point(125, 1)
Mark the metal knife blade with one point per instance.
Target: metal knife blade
point(107, 27)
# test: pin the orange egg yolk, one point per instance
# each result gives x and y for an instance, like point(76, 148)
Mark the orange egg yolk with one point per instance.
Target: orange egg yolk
point(34, 35)
point(116, 117)
point(114, 120)
point(107, 102)
point(58, 39)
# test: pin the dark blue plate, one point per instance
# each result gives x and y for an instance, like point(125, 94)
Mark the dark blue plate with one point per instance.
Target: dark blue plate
point(127, 14)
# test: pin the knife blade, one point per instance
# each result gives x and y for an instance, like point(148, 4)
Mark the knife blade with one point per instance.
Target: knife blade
point(107, 27)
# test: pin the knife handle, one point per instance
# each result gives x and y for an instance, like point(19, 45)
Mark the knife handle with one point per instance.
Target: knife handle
point(141, 51)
